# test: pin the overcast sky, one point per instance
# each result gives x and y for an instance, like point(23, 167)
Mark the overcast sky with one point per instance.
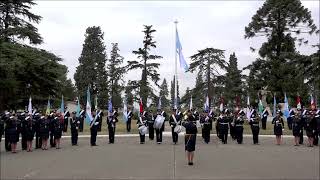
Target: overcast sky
point(215, 24)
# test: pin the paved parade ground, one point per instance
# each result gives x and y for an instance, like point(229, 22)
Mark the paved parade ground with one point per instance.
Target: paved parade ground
point(127, 159)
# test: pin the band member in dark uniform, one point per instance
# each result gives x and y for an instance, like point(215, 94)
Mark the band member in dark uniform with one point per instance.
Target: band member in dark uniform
point(254, 122)
point(290, 118)
point(296, 126)
point(44, 131)
point(150, 121)
point(58, 128)
point(141, 122)
point(230, 118)
point(238, 124)
point(317, 133)
point(278, 126)
point(93, 130)
point(51, 129)
point(190, 137)
point(129, 118)
point(303, 121)
point(205, 121)
point(310, 127)
point(112, 120)
point(22, 120)
point(99, 119)
point(74, 126)
point(38, 134)
point(6, 131)
point(30, 130)
point(1, 125)
point(65, 118)
point(264, 118)
point(13, 133)
point(174, 121)
point(160, 131)
point(223, 127)
point(82, 117)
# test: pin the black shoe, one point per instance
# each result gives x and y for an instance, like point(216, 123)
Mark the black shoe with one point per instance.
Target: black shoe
point(94, 145)
point(141, 142)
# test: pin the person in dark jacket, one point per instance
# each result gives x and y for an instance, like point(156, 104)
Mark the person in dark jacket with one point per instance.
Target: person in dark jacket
point(310, 127)
point(30, 130)
point(206, 126)
point(278, 126)
point(160, 131)
point(238, 124)
point(44, 132)
point(1, 125)
point(112, 119)
point(317, 133)
point(150, 122)
point(58, 128)
point(264, 118)
point(74, 126)
point(174, 121)
point(51, 129)
point(190, 137)
point(13, 133)
point(22, 118)
point(223, 122)
point(296, 127)
point(142, 123)
point(37, 120)
point(129, 117)
point(254, 123)
point(6, 131)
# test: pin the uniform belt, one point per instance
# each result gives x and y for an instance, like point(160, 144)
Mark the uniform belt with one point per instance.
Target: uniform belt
point(224, 123)
point(255, 124)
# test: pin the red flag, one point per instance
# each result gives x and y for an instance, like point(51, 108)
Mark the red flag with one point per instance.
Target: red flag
point(298, 102)
point(141, 106)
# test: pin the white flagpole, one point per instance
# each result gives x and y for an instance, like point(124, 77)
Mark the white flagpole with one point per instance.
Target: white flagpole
point(175, 68)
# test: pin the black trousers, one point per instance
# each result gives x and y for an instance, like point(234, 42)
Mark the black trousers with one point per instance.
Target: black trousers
point(239, 134)
point(65, 125)
point(255, 134)
point(159, 135)
point(52, 142)
point(142, 138)
point(224, 135)
point(74, 136)
point(38, 140)
point(316, 138)
point(218, 131)
point(151, 132)
point(23, 141)
point(128, 125)
point(301, 136)
point(7, 144)
point(232, 132)
point(81, 125)
point(174, 135)
point(111, 133)
point(206, 134)
point(289, 122)
point(93, 137)
point(264, 123)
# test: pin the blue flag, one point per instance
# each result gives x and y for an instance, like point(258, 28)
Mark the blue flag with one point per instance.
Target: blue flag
point(125, 109)
point(89, 117)
point(286, 106)
point(183, 63)
point(274, 106)
point(62, 106)
point(110, 106)
point(206, 105)
point(78, 108)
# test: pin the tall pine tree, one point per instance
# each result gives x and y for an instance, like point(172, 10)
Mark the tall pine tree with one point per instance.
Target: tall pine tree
point(91, 71)
point(148, 64)
point(164, 93)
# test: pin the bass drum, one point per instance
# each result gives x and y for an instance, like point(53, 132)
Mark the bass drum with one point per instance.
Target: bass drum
point(158, 122)
point(178, 129)
point(143, 130)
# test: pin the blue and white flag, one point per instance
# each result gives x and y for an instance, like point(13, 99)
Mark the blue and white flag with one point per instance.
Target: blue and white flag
point(207, 105)
point(183, 63)
point(190, 105)
point(248, 110)
point(125, 109)
point(159, 103)
point(286, 106)
point(30, 106)
point(89, 117)
point(274, 106)
point(78, 108)
point(110, 107)
point(62, 106)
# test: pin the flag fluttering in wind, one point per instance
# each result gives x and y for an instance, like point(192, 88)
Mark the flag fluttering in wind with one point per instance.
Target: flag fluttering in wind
point(110, 106)
point(141, 106)
point(96, 102)
point(78, 108)
point(286, 106)
point(48, 107)
point(221, 104)
point(125, 109)
point(190, 105)
point(207, 105)
point(62, 106)
point(248, 110)
point(298, 102)
point(260, 107)
point(89, 117)
point(159, 103)
point(183, 63)
point(30, 106)
point(312, 103)
point(274, 106)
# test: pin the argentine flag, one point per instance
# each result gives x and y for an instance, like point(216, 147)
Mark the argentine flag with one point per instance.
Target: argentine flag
point(62, 106)
point(183, 63)
point(206, 105)
point(89, 117)
point(78, 108)
point(125, 109)
point(274, 106)
point(286, 106)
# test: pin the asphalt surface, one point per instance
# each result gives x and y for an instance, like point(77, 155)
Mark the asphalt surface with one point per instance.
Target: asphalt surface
point(127, 159)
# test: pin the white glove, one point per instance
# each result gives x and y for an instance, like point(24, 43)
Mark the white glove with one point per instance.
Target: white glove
point(96, 123)
point(171, 125)
point(282, 129)
point(114, 121)
point(78, 122)
point(77, 128)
